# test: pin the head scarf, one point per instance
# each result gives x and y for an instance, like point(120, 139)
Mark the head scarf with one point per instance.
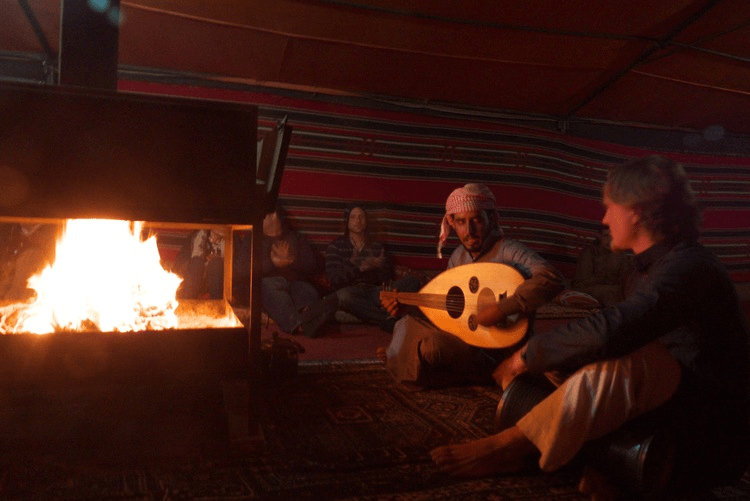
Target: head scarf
point(469, 198)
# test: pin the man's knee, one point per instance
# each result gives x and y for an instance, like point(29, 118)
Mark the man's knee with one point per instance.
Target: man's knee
point(349, 296)
point(655, 374)
point(275, 283)
point(646, 377)
point(444, 349)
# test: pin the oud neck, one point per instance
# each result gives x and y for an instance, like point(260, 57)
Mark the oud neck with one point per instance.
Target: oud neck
point(434, 301)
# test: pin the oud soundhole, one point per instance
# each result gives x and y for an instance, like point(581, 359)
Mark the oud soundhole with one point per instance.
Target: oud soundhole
point(455, 302)
point(473, 285)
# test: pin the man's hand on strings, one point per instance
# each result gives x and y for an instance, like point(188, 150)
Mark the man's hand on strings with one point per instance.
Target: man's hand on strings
point(491, 314)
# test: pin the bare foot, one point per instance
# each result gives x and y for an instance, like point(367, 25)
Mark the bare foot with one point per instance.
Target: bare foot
point(506, 452)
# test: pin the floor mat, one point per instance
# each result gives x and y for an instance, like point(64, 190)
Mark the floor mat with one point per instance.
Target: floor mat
point(337, 430)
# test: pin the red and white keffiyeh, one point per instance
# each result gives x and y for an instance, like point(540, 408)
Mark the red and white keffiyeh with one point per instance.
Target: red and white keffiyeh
point(469, 198)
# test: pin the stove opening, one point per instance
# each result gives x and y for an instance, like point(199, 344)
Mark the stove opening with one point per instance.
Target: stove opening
point(100, 275)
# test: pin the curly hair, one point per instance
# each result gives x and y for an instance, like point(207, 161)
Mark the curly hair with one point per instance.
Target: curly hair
point(660, 191)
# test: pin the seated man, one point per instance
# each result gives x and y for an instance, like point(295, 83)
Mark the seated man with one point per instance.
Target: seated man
point(678, 343)
point(357, 268)
point(422, 355)
point(288, 264)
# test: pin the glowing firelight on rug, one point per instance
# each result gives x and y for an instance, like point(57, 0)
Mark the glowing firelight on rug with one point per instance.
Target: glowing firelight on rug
point(105, 278)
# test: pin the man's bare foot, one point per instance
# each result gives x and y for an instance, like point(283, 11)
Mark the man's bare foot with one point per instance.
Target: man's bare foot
point(506, 452)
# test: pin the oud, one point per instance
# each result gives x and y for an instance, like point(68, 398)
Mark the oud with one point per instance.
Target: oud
point(452, 299)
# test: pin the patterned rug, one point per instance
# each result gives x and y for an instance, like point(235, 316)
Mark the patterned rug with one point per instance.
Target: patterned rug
point(335, 431)
point(346, 431)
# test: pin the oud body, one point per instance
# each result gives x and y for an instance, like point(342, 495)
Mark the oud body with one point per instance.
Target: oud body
point(452, 299)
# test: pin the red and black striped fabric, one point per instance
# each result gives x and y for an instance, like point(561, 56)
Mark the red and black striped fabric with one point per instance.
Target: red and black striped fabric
point(403, 165)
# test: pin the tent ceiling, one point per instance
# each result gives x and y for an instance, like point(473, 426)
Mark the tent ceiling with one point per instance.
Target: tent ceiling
point(668, 63)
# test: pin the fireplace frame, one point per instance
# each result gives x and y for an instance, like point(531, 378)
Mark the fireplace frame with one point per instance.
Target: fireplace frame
point(170, 162)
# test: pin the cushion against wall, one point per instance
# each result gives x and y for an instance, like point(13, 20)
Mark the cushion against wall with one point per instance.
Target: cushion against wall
point(577, 299)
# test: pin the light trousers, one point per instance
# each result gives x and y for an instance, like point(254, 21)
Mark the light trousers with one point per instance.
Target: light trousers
point(598, 399)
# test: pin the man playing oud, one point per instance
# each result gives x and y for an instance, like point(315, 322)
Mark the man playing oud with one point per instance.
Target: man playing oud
point(421, 355)
point(676, 349)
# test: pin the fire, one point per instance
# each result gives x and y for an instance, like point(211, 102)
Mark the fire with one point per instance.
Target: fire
point(105, 277)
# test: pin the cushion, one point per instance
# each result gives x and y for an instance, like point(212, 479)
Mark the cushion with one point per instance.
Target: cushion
point(577, 299)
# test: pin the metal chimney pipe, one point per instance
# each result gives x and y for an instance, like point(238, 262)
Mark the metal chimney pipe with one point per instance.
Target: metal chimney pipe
point(89, 36)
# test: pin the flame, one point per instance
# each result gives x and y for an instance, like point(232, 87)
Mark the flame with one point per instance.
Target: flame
point(105, 277)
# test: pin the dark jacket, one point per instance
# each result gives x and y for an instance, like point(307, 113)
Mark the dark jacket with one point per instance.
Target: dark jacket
point(684, 299)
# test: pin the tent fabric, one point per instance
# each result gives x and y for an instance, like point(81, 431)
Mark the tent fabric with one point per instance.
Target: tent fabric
point(673, 64)
point(404, 165)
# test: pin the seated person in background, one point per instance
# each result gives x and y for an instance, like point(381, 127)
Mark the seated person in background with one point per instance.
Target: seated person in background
point(288, 262)
point(677, 346)
point(357, 268)
point(601, 273)
point(201, 264)
point(25, 249)
point(420, 354)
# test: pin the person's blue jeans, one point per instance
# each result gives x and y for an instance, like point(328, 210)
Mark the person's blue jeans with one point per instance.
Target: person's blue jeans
point(283, 300)
point(363, 300)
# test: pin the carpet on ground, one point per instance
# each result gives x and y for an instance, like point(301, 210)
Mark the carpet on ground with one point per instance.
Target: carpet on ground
point(335, 431)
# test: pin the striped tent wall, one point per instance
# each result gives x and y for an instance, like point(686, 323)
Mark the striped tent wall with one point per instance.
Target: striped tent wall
point(403, 165)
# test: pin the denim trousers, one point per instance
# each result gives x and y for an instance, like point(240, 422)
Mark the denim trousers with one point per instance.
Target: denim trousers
point(283, 300)
point(363, 300)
